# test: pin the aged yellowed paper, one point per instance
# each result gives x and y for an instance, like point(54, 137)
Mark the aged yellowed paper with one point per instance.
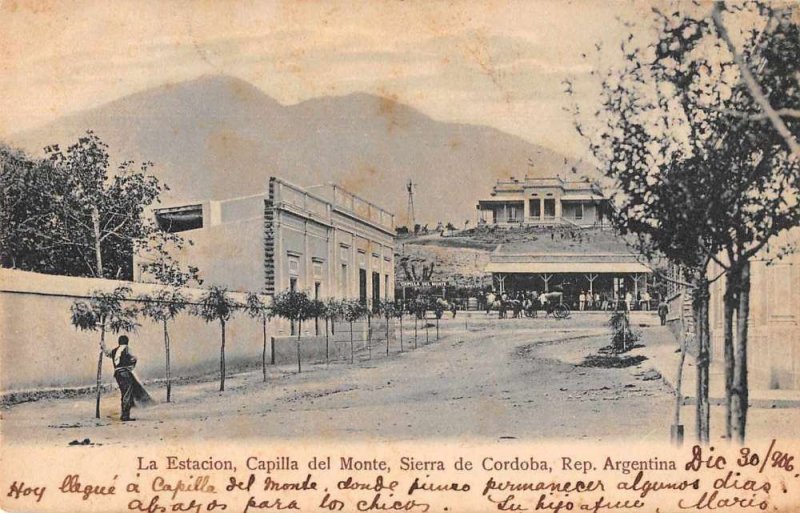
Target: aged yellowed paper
point(399, 256)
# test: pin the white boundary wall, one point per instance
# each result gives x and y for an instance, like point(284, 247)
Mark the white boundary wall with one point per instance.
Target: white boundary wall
point(39, 347)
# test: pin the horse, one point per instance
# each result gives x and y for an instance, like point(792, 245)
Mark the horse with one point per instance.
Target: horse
point(443, 305)
point(550, 299)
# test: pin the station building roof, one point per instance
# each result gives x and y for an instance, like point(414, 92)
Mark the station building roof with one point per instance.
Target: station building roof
point(536, 257)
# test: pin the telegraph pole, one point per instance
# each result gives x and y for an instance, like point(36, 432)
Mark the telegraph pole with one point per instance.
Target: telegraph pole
point(410, 211)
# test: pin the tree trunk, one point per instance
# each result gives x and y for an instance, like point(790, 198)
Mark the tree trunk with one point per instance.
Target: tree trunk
point(679, 387)
point(387, 336)
point(369, 335)
point(264, 349)
point(166, 354)
point(740, 395)
point(222, 358)
point(327, 344)
point(352, 351)
point(99, 372)
point(730, 303)
point(437, 327)
point(701, 295)
point(98, 254)
point(415, 331)
point(401, 332)
point(299, 330)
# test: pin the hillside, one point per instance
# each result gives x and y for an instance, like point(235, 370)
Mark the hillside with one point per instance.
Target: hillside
point(220, 137)
point(462, 257)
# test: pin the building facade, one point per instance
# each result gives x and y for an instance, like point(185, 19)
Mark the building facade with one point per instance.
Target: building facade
point(323, 240)
point(542, 201)
point(773, 356)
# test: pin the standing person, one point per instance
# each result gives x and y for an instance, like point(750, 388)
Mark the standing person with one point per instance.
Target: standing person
point(645, 301)
point(628, 301)
point(582, 301)
point(131, 391)
point(543, 300)
point(597, 300)
point(663, 310)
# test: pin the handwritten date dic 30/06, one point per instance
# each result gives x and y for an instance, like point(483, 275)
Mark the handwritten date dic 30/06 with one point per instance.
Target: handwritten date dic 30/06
point(705, 479)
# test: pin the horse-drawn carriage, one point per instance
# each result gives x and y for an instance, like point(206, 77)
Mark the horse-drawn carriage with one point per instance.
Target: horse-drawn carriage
point(554, 304)
point(549, 302)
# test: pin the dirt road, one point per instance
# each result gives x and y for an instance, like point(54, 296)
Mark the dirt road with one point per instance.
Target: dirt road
point(518, 379)
point(486, 381)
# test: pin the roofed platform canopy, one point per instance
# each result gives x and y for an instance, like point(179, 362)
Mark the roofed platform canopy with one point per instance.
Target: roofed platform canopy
point(602, 268)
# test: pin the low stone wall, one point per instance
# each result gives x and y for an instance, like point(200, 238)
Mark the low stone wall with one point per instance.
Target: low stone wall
point(313, 349)
point(284, 349)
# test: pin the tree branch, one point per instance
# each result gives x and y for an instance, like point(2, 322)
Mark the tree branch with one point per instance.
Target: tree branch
point(787, 113)
point(752, 84)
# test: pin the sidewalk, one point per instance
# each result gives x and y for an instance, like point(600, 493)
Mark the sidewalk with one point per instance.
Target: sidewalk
point(663, 355)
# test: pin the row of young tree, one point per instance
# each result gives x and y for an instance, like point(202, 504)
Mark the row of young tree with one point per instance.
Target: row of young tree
point(118, 311)
point(697, 130)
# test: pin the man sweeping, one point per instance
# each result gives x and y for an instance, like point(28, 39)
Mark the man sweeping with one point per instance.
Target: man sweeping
point(131, 390)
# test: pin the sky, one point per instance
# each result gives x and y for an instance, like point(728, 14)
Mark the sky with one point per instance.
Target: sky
point(491, 62)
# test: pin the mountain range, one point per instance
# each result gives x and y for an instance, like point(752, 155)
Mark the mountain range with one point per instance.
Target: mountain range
point(218, 137)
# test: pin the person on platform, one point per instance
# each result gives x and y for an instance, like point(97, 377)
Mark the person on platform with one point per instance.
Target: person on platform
point(490, 299)
point(645, 303)
point(582, 301)
point(543, 301)
point(131, 390)
point(663, 310)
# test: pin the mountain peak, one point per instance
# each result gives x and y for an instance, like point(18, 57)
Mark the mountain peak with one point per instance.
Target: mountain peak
point(218, 137)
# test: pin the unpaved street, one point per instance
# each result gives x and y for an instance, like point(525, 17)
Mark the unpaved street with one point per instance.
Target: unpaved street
point(518, 379)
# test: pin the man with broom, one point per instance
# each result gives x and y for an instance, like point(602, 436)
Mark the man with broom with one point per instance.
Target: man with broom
point(131, 390)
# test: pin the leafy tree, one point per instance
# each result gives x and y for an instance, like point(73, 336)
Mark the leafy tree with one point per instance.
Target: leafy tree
point(388, 310)
point(353, 311)
point(217, 305)
point(163, 307)
point(25, 212)
point(697, 176)
point(760, 163)
point(398, 312)
point(334, 310)
point(296, 307)
point(105, 311)
point(316, 309)
point(622, 336)
point(257, 308)
point(68, 214)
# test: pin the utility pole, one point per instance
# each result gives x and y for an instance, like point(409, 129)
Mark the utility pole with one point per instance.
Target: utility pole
point(410, 211)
